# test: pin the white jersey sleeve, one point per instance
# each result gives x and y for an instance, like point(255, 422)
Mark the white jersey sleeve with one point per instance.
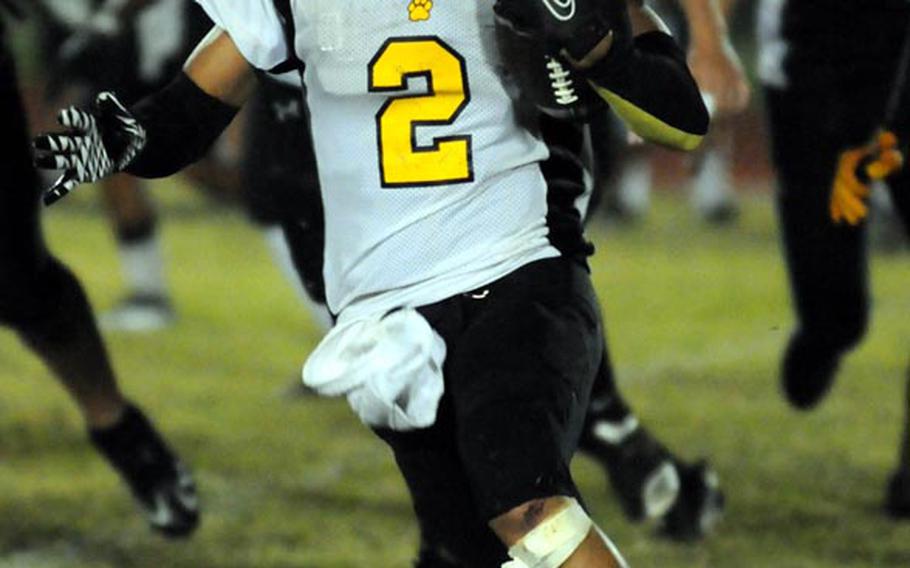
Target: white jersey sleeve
point(254, 27)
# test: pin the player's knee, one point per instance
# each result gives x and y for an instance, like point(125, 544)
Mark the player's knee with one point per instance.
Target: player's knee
point(514, 524)
point(543, 532)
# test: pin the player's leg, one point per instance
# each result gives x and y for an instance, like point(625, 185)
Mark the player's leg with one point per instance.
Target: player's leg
point(640, 469)
point(712, 185)
point(160, 37)
point(146, 305)
point(826, 263)
point(516, 390)
point(44, 303)
point(452, 532)
point(520, 376)
point(643, 474)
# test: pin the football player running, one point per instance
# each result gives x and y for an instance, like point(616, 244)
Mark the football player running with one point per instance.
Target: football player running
point(281, 187)
point(464, 338)
point(44, 303)
point(851, 51)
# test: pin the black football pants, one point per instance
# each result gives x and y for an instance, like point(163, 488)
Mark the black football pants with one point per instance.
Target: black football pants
point(827, 263)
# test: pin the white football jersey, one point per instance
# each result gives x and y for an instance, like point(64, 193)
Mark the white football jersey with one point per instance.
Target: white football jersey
point(431, 188)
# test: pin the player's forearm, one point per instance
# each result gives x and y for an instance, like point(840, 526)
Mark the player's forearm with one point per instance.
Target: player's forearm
point(649, 86)
point(183, 120)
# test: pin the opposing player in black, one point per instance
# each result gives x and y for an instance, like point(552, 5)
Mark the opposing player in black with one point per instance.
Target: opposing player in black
point(828, 67)
point(43, 302)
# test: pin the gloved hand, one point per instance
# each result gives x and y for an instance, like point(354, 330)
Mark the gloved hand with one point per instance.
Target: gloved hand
point(95, 143)
point(856, 169)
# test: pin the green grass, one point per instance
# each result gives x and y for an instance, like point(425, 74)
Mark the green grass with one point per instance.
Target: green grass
point(696, 319)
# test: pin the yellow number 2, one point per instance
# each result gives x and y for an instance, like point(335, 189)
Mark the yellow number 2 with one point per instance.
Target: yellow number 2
point(402, 162)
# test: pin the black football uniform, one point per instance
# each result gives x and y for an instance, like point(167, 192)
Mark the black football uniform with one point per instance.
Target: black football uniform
point(827, 67)
point(141, 59)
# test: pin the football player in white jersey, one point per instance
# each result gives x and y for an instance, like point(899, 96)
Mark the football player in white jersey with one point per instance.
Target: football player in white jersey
point(464, 339)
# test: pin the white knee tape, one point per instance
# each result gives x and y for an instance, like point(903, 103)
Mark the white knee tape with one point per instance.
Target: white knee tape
point(553, 541)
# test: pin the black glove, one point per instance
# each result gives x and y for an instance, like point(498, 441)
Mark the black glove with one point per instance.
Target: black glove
point(96, 143)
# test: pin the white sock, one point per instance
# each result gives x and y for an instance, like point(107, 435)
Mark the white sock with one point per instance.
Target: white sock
point(713, 185)
point(281, 254)
point(143, 266)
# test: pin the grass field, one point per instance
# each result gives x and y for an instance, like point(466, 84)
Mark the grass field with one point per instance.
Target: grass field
point(696, 318)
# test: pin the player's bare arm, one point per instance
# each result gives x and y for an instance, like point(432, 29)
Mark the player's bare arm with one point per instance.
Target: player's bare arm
point(217, 67)
point(712, 59)
point(160, 135)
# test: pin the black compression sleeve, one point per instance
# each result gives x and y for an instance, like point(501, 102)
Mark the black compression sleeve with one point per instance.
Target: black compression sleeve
point(650, 87)
point(182, 122)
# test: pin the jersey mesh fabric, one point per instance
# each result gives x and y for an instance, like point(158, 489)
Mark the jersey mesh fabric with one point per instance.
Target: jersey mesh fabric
point(407, 246)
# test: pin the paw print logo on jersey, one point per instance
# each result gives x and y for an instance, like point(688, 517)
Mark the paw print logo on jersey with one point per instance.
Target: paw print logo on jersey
point(419, 10)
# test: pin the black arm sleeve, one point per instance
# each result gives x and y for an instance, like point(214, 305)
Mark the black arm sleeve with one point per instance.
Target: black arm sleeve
point(182, 122)
point(648, 84)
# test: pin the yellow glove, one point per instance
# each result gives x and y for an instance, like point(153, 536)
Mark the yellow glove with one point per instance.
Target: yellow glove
point(855, 169)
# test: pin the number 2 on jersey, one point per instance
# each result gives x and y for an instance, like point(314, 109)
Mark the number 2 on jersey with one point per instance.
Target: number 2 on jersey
point(402, 162)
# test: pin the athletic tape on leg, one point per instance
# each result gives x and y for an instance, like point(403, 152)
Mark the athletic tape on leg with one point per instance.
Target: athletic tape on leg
point(553, 541)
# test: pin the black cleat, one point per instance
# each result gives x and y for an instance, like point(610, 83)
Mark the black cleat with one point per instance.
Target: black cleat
point(807, 375)
point(640, 469)
point(161, 485)
point(700, 505)
point(897, 498)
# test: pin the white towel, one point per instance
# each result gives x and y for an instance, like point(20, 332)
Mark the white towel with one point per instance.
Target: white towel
point(389, 368)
